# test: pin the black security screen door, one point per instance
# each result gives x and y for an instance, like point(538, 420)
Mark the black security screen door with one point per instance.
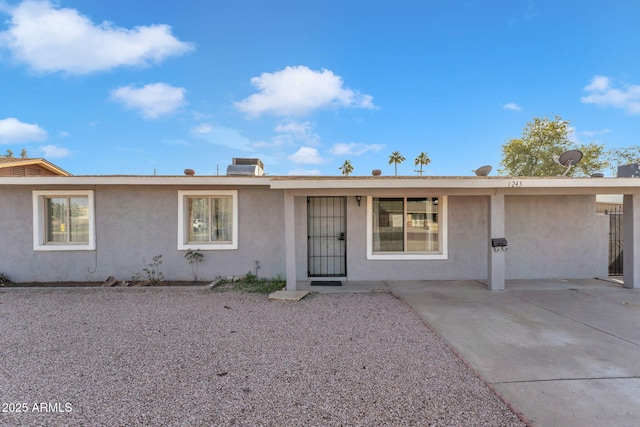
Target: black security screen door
point(327, 244)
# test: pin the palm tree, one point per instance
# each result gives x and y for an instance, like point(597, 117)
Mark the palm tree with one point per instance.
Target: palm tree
point(396, 158)
point(346, 168)
point(422, 160)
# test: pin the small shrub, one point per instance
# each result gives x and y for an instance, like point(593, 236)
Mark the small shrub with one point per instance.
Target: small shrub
point(4, 280)
point(251, 283)
point(152, 271)
point(194, 259)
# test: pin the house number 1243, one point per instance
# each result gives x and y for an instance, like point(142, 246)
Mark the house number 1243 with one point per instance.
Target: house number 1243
point(515, 184)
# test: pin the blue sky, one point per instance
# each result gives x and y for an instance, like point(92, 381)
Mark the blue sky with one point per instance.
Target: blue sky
point(122, 87)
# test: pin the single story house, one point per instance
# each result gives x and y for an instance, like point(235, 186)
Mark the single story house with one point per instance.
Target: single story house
point(86, 228)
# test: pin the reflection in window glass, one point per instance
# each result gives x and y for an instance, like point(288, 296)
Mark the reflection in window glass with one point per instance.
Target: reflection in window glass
point(405, 225)
point(211, 219)
point(388, 228)
point(67, 220)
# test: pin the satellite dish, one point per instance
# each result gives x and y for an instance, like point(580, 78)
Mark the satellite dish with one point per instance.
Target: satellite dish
point(568, 159)
point(483, 171)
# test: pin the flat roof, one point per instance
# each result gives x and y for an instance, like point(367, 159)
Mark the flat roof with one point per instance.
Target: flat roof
point(484, 184)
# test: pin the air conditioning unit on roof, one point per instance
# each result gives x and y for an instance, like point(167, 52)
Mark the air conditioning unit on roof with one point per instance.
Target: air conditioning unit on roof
point(629, 171)
point(245, 167)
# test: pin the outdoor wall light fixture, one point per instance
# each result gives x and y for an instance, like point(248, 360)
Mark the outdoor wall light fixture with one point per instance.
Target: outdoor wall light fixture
point(358, 198)
point(499, 243)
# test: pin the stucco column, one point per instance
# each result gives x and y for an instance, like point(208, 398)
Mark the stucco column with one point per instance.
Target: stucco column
point(631, 237)
point(496, 259)
point(290, 240)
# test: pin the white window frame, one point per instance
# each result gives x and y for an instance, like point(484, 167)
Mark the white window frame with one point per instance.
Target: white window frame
point(40, 220)
point(442, 236)
point(184, 221)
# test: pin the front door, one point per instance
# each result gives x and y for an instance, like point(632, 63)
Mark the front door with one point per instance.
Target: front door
point(326, 236)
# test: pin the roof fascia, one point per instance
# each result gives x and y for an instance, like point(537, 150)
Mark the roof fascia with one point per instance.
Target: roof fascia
point(135, 180)
point(462, 183)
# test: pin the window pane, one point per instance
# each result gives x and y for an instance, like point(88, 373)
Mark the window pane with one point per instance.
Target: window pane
point(417, 224)
point(56, 221)
point(222, 220)
point(388, 225)
point(79, 220)
point(199, 219)
point(433, 231)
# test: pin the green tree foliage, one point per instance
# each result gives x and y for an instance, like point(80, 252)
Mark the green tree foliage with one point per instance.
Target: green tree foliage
point(423, 160)
point(533, 153)
point(624, 156)
point(396, 158)
point(23, 153)
point(346, 168)
point(9, 154)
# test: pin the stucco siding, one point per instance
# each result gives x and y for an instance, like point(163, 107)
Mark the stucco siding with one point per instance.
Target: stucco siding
point(18, 259)
point(134, 224)
point(551, 237)
point(467, 231)
point(467, 247)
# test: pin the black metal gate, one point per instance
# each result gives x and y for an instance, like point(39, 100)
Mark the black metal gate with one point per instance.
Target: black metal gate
point(326, 236)
point(615, 241)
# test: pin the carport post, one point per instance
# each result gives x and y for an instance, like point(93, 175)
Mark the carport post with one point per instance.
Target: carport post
point(290, 239)
point(631, 237)
point(496, 261)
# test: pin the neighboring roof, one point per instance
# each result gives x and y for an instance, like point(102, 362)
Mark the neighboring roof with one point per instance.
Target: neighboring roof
point(7, 162)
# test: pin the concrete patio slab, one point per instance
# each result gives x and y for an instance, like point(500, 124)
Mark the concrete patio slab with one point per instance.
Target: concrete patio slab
point(288, 295)
point(562, 352)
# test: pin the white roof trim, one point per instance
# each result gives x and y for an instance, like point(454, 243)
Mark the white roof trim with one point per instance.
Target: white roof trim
point(513, 185)
point(134, 180)
point(456, 182)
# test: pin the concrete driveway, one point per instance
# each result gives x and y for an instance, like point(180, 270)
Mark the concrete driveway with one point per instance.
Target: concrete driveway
point(562, 353)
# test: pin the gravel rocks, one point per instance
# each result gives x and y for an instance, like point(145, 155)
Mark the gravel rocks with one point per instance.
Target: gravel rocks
point(200, 358)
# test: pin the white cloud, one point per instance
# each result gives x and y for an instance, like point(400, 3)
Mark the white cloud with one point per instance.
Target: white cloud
point(598, 83)
point(53, 152)
point(602, 93)
point(13, 131)
point(276, 141)
point(152, 100)
point(592, 133)
point(304, 172)
point(293, 127)
point(51, 39)
point(202, 128)
point(306, 155)
point(297, 91)
point(354, 149)
point(219, 135)
point(512, 106)
point(302, 132)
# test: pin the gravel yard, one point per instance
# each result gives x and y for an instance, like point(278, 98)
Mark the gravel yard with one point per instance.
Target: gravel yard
point(178, 357)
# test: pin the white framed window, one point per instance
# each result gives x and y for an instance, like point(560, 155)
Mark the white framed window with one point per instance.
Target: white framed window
point(207, 220)
point(407, 228)
point(64, 220)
